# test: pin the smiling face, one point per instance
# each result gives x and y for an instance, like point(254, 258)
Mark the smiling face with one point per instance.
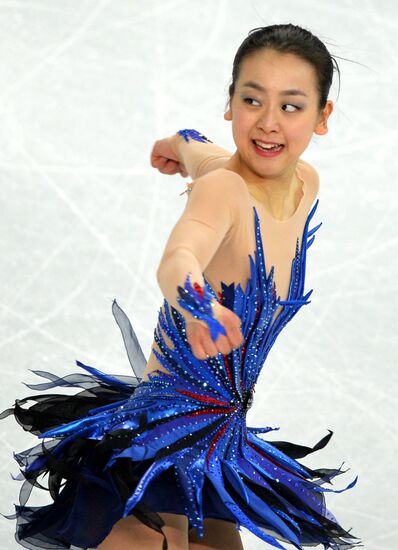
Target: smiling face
point(276, 101)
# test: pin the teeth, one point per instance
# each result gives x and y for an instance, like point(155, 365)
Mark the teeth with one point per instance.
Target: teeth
point(267, 146)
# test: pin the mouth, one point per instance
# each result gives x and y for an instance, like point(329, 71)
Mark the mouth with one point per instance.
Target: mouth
point(267, 149)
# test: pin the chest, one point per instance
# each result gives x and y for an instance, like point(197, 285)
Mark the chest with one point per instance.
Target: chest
point(279, 245)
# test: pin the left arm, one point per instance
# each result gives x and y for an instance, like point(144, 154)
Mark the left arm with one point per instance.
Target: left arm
point(199, 157)
point(194, 158)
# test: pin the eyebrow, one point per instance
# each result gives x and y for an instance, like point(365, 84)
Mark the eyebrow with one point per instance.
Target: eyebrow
point(256, 86)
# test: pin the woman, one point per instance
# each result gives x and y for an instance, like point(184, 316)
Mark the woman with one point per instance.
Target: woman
point(168, 453)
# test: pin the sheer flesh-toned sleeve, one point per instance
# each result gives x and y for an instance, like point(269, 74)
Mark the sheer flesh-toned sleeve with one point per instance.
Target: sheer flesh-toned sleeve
point(210, 212)
point(199, 158)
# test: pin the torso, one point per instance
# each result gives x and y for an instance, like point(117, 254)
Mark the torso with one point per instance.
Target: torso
point(231, 263)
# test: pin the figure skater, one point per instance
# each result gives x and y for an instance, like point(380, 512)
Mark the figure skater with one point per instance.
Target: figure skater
point(164, 458)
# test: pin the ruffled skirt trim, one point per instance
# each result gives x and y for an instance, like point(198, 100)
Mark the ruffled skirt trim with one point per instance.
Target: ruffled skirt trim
point(120, 446)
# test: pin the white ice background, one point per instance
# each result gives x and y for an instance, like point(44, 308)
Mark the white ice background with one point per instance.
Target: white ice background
point(86, 87)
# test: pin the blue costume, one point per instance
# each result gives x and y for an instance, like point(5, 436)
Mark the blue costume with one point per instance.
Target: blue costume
point(121, 445)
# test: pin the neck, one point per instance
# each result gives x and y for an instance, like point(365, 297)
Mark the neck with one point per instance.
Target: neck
point(280, 193)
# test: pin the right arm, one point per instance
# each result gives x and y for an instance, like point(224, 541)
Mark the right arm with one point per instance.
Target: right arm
point(209, 214)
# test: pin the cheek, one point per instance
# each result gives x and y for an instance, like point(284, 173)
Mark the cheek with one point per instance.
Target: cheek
point(299, 130)
point(242, 123)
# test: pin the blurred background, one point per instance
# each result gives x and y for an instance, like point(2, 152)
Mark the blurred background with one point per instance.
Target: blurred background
point(87, 86)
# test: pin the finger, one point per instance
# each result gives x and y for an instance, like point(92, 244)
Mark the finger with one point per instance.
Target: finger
point(154, 155)
point(235, 336)
point(183, 171)
point(195, 331)
point(202, 341)
point(165, 165)
point(209, 346)
point(234, 332)
point(170, 168)
point(198, 350)
point(223, 344)
point(159, 162)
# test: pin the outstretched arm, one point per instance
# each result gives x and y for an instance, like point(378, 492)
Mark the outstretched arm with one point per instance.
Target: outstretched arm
point(209, 213)
point(194, 158)
point(207, 217)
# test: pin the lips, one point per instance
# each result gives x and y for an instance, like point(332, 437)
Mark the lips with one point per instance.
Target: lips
point(267, 145)
point(273, 149)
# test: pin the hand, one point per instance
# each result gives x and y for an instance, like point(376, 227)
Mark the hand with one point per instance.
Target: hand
point(199, 338)
point(164, 157)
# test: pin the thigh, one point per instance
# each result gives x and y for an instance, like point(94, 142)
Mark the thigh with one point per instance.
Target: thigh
point(131, 534)
point(218, 535)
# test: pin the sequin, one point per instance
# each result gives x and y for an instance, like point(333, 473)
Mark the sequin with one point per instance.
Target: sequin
point(193, 134)
point(198, 302)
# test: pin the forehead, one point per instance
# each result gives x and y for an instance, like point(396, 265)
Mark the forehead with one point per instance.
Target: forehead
point(275, 70)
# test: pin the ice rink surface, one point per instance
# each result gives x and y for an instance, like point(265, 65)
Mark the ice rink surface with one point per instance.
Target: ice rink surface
point(87, 86)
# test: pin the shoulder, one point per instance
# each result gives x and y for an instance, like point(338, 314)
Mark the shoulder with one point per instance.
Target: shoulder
point(219, 183)
point(309, 174)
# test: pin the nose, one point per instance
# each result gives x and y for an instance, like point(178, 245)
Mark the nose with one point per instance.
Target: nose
point(269, 120)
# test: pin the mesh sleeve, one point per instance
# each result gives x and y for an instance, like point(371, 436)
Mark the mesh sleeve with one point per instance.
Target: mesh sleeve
point(209, 214)
point(199, 158)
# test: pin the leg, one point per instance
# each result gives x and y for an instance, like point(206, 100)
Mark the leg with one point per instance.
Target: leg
point(131, 534)
point(218, 535)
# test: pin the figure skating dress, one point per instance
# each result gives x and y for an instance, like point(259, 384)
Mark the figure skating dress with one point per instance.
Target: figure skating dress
point(178, 441)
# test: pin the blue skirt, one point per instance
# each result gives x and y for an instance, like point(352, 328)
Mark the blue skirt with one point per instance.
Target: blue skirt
point(122, 446)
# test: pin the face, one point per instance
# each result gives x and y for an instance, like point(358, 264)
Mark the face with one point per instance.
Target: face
point(276, 100)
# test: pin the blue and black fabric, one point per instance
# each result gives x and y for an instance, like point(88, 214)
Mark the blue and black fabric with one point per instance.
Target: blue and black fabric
point(121, 445)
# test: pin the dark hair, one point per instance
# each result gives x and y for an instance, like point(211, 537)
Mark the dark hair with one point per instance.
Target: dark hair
point(289, 38)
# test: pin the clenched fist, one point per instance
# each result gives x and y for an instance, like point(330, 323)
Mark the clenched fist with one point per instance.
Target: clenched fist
point(164, 157)
point(199, 338)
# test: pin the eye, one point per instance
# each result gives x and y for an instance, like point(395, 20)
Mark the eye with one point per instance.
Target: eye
point(246, 99)
point(295, 107)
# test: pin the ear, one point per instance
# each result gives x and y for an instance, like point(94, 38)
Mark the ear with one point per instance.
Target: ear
point(321, 127)
point(228, 115)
